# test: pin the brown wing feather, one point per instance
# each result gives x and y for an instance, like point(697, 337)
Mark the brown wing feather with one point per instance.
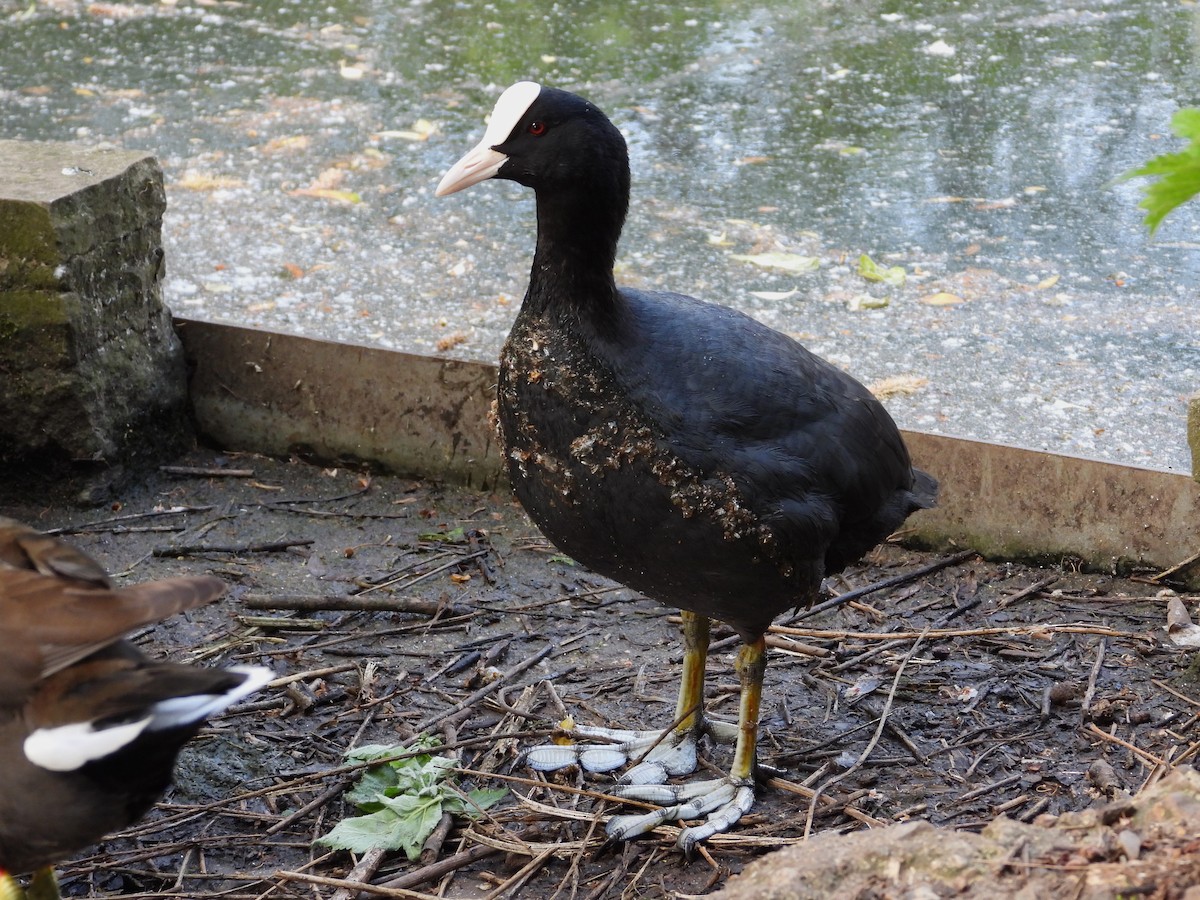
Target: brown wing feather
point(54, 611)
point(22, 547)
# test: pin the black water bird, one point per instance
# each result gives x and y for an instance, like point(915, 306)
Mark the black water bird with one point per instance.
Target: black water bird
point(679, 447)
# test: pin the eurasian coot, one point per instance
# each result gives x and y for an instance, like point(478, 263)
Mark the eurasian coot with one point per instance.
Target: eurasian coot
point(681, 448)
point(89, 727)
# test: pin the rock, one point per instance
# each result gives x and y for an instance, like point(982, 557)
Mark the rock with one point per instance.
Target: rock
point(1138, 846)
point(93, 371)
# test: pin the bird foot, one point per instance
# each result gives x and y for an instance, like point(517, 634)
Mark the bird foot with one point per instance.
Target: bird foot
point(722, 801)
point(674, 754)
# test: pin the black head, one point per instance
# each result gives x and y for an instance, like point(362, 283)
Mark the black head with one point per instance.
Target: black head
point(546, 139)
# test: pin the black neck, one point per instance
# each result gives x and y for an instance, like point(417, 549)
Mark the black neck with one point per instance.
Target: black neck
point(577, 240)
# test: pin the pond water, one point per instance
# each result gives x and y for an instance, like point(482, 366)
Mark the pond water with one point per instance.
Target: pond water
point(973, 145)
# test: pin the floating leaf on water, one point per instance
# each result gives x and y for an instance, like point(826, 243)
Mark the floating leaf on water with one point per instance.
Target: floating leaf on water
point(775, 295)
point(328, 194)
point(201, 181)
point(893, 275)
point(787, 262)
point(942, 298)
point(422, 130)
point(897, 386)
point(865, 301)
point(986, 205)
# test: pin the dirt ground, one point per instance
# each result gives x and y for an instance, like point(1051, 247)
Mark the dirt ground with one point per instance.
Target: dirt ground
point(1035, 693)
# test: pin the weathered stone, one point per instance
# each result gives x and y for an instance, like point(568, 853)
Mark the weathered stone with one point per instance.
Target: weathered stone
point(91, 368)
point(1193, 432)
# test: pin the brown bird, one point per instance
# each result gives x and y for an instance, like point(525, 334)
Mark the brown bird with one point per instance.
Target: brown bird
point(679, 447)
point(89, 726)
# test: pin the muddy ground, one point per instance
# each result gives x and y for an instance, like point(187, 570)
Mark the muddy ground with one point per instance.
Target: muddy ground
point(1039, 691)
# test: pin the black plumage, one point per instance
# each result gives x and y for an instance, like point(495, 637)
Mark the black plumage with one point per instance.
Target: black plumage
point(679, 447)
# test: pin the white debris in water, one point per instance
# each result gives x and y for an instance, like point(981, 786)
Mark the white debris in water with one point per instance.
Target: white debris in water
point(938, 48)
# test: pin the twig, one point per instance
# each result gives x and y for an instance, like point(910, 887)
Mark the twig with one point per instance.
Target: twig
point(1035, 588)
point(199, 549)
point(887, 707)
point(206, 471)
point(316, 803)
point(454, 563)
point(1091, 685)
point(352, 602)
point(488, 689)
point(1178, 567)
point(99, 524)
point(521, 875)
point(894, 581)
point(366, 868)
point(938, 634)
point(441, 868)
point(359, 886)
point(1133, 748)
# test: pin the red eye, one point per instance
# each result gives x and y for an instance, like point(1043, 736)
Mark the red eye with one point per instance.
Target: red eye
point(537, 129)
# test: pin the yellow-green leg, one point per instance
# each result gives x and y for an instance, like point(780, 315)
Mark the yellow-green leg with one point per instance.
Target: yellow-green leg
point(10, 888)
point(689, 711)
point(43, 886)
point(751, 667)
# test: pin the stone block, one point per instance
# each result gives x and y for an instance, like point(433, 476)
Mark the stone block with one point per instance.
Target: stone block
point(1193, 433)
point(90, 366)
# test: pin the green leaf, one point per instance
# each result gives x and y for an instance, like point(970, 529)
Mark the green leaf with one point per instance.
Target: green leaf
point(374, 783)
point(1178, 173)
point(382, 830)
point(404, 800)
point(453, 536)
point(895, 275)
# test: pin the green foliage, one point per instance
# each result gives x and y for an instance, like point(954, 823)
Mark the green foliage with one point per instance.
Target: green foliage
point(402, 800)
point(1178, 174)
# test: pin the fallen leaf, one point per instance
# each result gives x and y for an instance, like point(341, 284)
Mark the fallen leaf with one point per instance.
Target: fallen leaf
point(1006, 203)
point(942, 298)
point(865, 301)
point(897, 386)
point(421, 130)
point(868, 269)
point(327, 194)
point(787, 262)
point(775, 295)
point(286, 143)
point(202, 181)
